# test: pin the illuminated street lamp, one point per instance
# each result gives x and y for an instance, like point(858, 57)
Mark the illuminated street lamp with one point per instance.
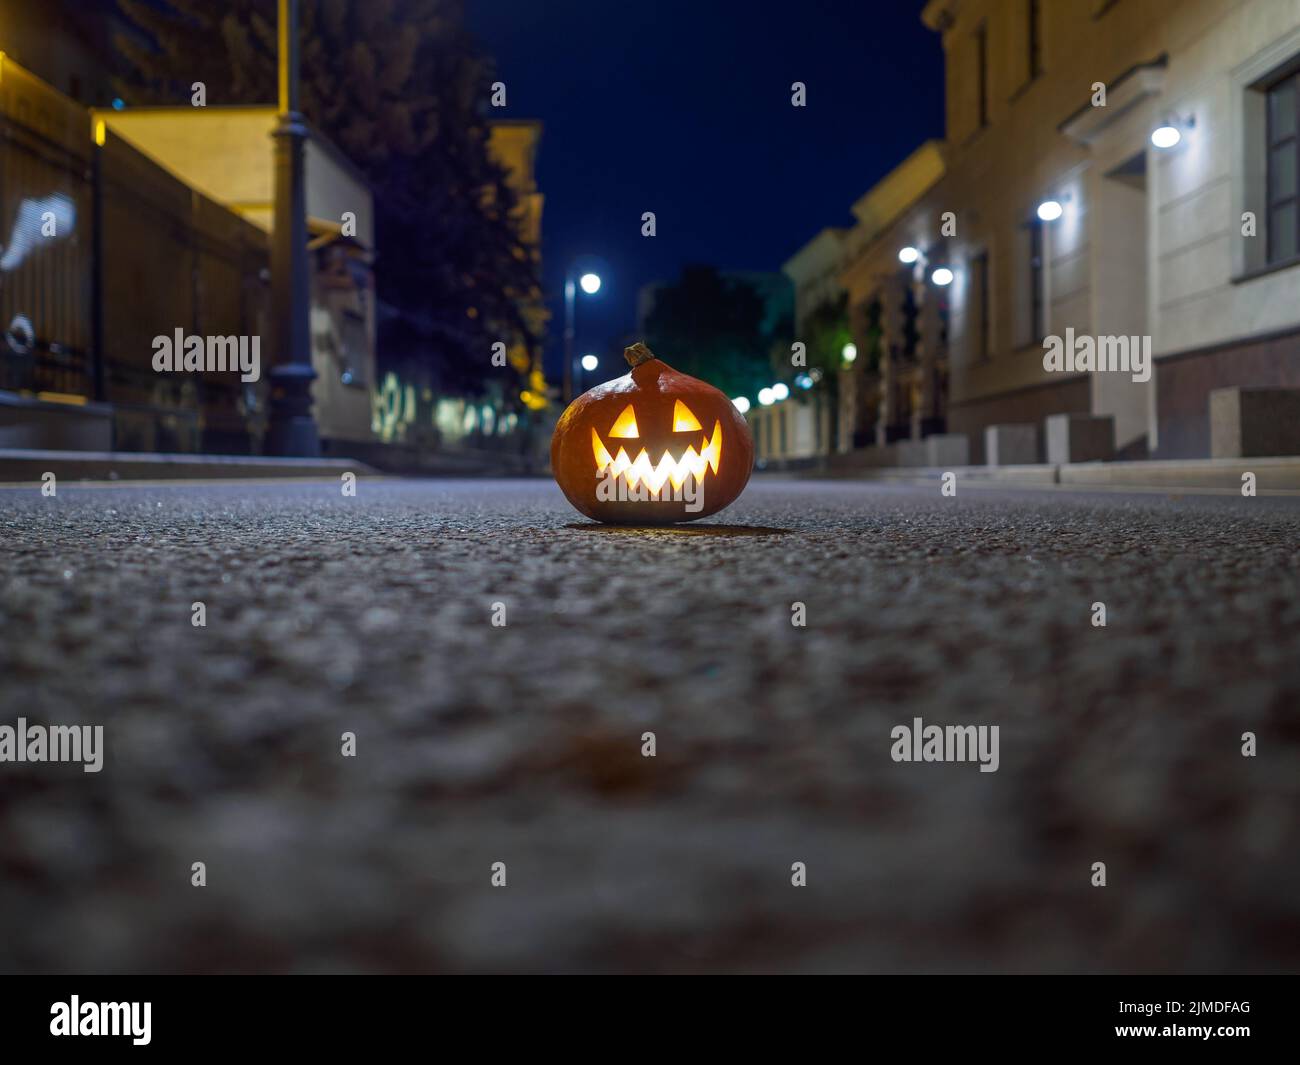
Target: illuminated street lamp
point(765, 397)
point(908, 255)
point(850, 351)
point(1050, 210)
point(780, 391)
point(742, 404)
point(590, 284)
point(942, 276)
point(590, 362)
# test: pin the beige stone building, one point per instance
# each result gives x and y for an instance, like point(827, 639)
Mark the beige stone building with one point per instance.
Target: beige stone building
point(1053, 209)
point(895, 386)
point(814, 271)
point(1193, 245)
point(800, 427)
point(879, 388)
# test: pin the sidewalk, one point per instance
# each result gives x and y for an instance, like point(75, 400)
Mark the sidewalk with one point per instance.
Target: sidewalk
point(1275, 475)
point(24, 466)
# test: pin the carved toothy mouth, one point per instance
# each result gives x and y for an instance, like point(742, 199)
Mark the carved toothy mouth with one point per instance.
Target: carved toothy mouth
point(669, 470)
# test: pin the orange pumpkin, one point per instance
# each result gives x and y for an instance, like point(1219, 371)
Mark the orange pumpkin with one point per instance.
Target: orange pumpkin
point(651, 448)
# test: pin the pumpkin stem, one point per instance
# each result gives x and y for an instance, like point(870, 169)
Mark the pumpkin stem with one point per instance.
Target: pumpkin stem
point(637, 354)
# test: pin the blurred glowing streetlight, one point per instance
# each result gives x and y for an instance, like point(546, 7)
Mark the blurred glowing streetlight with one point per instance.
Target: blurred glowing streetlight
point(765, 397)
point(908, 255)
point(742, 404)
point(781, 391)
point(942, 276)
point(850, 351)
point(590, 362)
point(590, 284)
point(1050, 210)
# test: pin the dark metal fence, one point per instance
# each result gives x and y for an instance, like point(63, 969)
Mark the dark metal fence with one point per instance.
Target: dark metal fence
point(45, 233)
point(104, 250)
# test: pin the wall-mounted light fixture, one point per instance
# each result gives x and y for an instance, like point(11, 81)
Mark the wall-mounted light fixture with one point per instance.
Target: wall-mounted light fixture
point(1170, 131)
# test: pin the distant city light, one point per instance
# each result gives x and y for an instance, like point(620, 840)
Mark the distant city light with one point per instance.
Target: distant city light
point(766, 397)
point(1049, 210)
point(590, 284)
point(942, 276)
point(1166, 136)
point(908, 255)
point(781, 391)
point(850, 351)
point(742, 404)
point(590, 362)
point(804, 381)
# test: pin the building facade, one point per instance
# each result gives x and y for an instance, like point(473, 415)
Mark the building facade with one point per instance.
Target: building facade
point(895, 387)
point(1193, 244)
point(1053, 213)
point(803, 425)
point(864, 320)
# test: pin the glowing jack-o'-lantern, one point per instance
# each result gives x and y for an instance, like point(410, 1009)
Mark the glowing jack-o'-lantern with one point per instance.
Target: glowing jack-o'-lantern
point(651, 448)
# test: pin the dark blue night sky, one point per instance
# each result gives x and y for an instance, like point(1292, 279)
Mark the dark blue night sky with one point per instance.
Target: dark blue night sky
point(682, 107)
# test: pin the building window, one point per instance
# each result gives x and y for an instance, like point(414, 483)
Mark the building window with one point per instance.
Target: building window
point(1037, 321)
point(1035, 30)
point(982, 72)
point(1284, 169)
point(979, 303)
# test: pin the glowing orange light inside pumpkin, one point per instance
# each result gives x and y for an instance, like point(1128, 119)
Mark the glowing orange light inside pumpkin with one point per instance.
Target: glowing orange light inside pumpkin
point(673, 471)
point(683, 420)
point(625, 427)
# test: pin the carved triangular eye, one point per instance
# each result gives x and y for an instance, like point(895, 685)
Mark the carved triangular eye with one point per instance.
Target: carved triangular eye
point(625, 427)
point(683, 420)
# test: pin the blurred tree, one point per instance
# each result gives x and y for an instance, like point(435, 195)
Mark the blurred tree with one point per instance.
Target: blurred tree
point(711, 327)
point(826, 330)
point(399, 86)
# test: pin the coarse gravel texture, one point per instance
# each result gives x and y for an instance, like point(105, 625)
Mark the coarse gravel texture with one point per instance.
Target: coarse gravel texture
point(521, 743)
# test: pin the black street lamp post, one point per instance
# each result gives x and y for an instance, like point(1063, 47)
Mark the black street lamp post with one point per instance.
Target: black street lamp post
point(292, 427)
point(590, 283)
point(570, 297)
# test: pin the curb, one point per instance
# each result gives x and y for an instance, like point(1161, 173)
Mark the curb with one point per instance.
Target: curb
point(1273, 475)
point(21, 466)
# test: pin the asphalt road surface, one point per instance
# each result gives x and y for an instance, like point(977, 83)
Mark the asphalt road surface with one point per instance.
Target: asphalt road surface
point(522, 743)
